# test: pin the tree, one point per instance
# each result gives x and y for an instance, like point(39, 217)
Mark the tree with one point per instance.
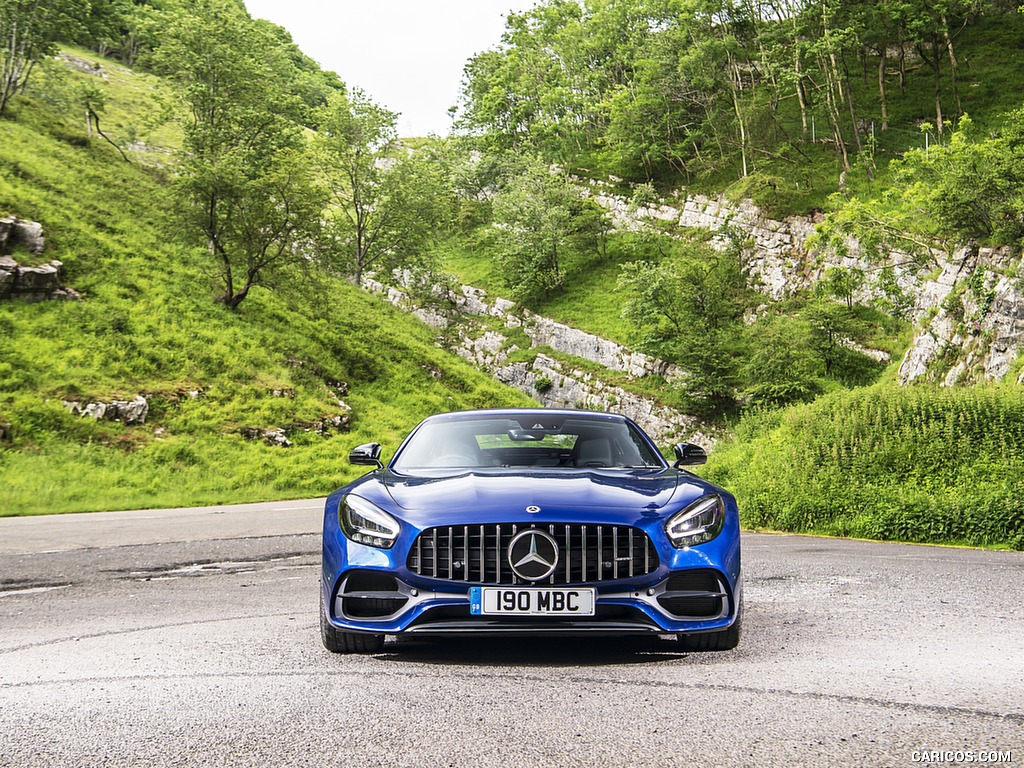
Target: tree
point(386, 201)
point(963, 192)
point(779, 368)
point(978, 189)
point(834, 332)
point(104, 25)
point(244, 185)
point(688, 309)
point(93, 100)
point(842, 283)
point(541, 86)
point(29, 31)
point(542, 222)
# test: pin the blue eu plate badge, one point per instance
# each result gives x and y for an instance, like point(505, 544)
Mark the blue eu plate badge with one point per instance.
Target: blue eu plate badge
point(475, 600)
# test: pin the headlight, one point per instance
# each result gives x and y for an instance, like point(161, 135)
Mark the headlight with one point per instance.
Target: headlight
point(700, 522)
point(367, 523)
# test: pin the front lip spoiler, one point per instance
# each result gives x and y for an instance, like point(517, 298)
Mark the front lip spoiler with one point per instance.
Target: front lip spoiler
point(612, 629)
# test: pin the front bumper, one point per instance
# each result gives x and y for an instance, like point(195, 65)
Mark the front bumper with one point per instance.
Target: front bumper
point(378, 602)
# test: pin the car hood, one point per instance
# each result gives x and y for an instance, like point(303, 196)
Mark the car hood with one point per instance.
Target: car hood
point(503, 492)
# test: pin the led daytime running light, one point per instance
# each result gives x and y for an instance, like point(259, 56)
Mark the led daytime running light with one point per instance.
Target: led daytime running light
point(698, 523)
point(367, 523)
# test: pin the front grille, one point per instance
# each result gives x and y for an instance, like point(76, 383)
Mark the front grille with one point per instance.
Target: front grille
point(479, 553)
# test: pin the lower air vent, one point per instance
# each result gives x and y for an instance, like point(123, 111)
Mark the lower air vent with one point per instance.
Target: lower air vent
point(370, 595)
point(694, 594)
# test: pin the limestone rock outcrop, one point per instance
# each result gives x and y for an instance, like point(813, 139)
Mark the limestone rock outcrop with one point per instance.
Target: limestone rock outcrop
point(549, 381)
point(15, 232)
point(126, 411)
point(34, 283)
point(973, 329)
point(969, 308)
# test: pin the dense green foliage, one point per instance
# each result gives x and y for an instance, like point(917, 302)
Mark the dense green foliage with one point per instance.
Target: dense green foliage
point(542, 227)
point(790, 97)
point(918, 464)
point(705, 93)
point(29, 33)
point(965, 192)
point(243, 185)
point(387, 204)
point(689, 309)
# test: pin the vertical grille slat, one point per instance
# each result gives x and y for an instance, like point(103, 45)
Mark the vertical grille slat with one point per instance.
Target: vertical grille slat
point(587, 553)
point(483, 555)
point(615, 553)
point(568, 555)
point(451, 544)
point(435, 574)
point(583, 553)
point(497, 554)
point(551, 532)
point(632, 555)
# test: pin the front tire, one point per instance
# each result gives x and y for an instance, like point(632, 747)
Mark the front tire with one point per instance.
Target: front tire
point(336, 641)
point(726, 640)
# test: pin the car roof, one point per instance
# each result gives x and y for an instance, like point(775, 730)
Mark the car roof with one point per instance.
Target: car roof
point(507, 413)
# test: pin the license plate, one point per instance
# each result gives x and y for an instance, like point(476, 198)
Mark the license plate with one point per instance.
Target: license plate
point(498, 601)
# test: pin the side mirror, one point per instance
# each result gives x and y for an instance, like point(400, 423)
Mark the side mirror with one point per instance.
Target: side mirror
point(368, 454)
point(688, 454)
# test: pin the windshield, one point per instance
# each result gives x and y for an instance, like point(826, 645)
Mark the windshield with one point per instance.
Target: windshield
point(531, 441)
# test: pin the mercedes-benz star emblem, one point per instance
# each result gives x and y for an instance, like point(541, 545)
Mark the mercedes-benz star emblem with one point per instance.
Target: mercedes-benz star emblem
point(532, 509)
point(533, 555)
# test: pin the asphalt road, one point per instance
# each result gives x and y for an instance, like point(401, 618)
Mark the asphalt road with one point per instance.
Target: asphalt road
point(189, 638)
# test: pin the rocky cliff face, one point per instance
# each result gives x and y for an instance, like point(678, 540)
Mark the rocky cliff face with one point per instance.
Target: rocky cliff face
point(972, 320)
point(552, 382)
point(970, 309)
point(970, 306)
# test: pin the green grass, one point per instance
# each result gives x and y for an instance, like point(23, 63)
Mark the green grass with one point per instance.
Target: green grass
point(920, 464)
point(137, 111)
point(149, 324)
point(589, 300)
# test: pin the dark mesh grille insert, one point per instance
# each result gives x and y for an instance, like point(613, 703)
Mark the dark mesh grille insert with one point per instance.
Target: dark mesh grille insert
point(364, 608)
point(479, 553)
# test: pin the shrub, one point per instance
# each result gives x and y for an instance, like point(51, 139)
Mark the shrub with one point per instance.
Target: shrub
point(922, 464)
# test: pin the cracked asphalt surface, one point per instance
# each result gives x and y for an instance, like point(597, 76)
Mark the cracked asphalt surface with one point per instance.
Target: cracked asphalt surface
point(190, 638)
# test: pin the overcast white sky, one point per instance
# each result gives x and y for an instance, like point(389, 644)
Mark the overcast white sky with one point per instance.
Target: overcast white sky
point(408, 55)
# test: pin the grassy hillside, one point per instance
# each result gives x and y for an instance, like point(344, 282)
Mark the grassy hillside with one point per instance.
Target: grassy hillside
point(589, 301)
point(148, 324)
point(923, 464)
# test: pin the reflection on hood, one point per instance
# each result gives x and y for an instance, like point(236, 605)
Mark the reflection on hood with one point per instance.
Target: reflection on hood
point(485, 490)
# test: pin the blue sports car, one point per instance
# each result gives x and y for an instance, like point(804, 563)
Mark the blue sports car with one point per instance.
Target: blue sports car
point(527, 522)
